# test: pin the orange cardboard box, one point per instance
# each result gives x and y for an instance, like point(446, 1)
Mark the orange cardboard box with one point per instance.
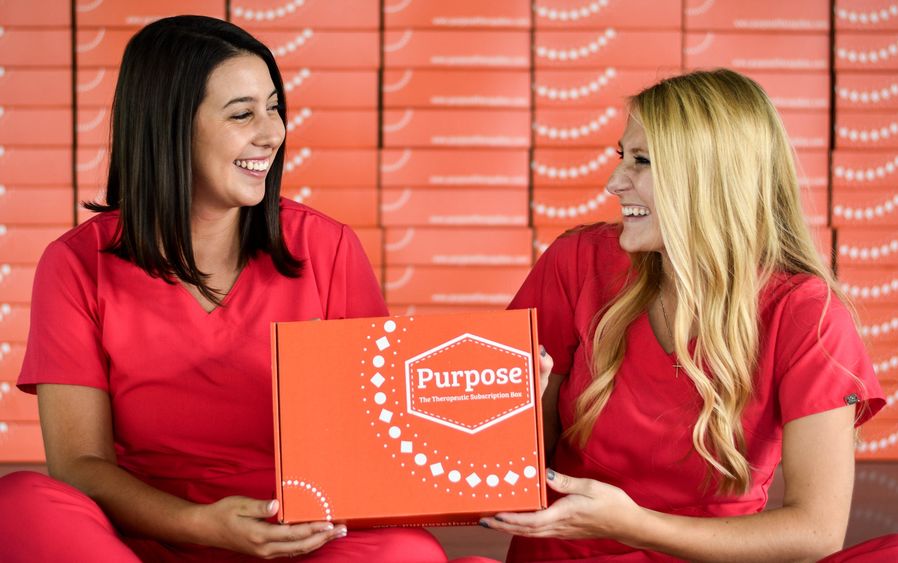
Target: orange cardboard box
point(795, 90)
point(35, 47)
point(866, 91)
point(807, 129)
point(866, 15)
point(878, 439)
point(337, 129)
point(318, 14)
point(29, 166)
point(16, 405)
point(757, 51)
point(823, 238)
point(21, 442)
point(870, 285)
point(42, 127)
point(593, 14)
point(491, 128)
point(879, 324)
point(91, 168)
point(95, 87)
point(24, 244)
point(456, 88)
point(330, 167)
point(101, 46)
point(573, 167)
point(454, 168)
point(15, 318)
point(859, 207)
point(52, 13)
point(11, 356)
point(760, 15)
point(449, 285)
point(301, 48)
point(437, 309)
point(35, 87)
point(815, 205)
point(868, 246)
point(813, 168)
point(866, 51)
point(544, 236)
point(460, 49)
point(885, 369)
point(372, 239)
point(469, 246)
point(866, 129)
point(569, 207)
point(451, 207)
point(353, 206)
point(881, 351)
point(623, 48)
point(866, 169)
point(596, 88)
point(496, 14)
point(439, 415)
point(593, 127)
point(139, 13)
point(93, 126)
point(333, 89)
point(16, 281)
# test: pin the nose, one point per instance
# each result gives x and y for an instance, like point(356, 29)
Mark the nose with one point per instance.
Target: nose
point(270, 132)
point(618, 182)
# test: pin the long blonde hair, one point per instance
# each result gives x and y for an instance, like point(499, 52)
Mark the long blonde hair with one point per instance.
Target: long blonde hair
point(727, 199)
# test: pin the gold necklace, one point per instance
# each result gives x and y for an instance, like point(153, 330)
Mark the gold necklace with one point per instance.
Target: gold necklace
point(669, 334)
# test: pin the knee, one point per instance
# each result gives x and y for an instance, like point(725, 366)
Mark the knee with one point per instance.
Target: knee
point(21, 486)
point(25, 492)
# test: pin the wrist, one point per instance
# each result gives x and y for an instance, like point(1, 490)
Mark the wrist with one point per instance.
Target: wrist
point(194, 524)
point(635, 528)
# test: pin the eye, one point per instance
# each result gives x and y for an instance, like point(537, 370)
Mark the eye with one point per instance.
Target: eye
point(242, 116)
point(276, 107)
point(642, 160)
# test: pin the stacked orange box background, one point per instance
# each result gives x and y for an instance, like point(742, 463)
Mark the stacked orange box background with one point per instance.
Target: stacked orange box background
point(588, 57)
point(785, 46)
point(456, 134)
point(35, 189)
point(456, 137)
point(328, 52)
point(865, 192)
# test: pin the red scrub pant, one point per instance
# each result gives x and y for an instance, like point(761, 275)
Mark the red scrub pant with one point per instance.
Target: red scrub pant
point(42, 519)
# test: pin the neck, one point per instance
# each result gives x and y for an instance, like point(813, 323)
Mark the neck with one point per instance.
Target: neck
point(216, 241)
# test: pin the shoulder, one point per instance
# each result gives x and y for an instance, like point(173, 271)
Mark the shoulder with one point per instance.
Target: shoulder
point(801, 301)
point(590, 251)
point(298, 220)
point(84, 244)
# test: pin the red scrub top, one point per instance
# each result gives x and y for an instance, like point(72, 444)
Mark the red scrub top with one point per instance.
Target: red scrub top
point(191, 391)
point(642, 440)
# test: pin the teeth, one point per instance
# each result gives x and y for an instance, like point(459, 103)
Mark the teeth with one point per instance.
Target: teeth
point(254, 165)
point(634, 211)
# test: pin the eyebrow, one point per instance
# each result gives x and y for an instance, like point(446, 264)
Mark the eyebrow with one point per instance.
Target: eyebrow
point(637, 149)
point(247, 99)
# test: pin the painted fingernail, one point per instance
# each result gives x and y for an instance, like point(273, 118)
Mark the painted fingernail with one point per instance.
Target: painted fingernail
point(484, 523)
point(342, 533)
point(550, 474)
point(542, 350)
point(498, 518)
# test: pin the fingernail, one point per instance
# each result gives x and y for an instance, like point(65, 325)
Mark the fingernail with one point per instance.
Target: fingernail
point(484, 524)
point(328, 527)
point(550, 474)
point(343, 533)
point(498, 518)
point(272, 506)
point(542, 350)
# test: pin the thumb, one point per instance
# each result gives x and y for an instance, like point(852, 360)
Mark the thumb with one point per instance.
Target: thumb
point(260, 508)
point(545, 368)
point(566, 484)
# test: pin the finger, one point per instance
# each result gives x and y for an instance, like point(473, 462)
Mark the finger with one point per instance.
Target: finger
point(307, 544)
point(262, 509)
point(499, 524)
point(567, 484)
point(295, 532)
point(545, 363)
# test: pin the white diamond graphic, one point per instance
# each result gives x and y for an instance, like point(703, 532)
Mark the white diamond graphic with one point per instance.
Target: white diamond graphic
point(386, 416)
point(436, 469)
point(511, 477)
point(382, 343)
point(378, 380)
point(473, 480)
point(405, 447)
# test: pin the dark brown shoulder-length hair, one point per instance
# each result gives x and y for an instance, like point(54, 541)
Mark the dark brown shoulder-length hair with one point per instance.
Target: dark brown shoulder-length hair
point(161, 83)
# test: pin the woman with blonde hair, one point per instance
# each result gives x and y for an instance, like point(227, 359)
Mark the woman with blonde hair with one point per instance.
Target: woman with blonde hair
point(695, 346)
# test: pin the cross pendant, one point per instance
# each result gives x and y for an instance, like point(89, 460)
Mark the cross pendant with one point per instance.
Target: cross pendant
point(678, 366)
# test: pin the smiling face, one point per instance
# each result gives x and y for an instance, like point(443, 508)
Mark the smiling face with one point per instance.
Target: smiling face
point(632, 183)
point(236, 134)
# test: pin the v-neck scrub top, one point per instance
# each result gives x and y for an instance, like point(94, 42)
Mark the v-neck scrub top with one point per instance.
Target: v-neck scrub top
point(642, 440)
point(191, 391)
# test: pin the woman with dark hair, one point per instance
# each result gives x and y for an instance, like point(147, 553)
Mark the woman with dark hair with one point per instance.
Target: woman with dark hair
point(149, 345)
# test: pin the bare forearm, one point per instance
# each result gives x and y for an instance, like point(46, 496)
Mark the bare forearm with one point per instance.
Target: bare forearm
point(133, 506)
point(785, 534)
